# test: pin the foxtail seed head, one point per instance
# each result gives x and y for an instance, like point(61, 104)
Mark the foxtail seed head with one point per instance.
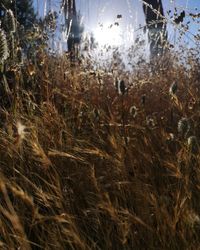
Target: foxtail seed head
point(183, 126)
point(173, 88)
point(193, 144)
point(9, 22)
point(4, 54)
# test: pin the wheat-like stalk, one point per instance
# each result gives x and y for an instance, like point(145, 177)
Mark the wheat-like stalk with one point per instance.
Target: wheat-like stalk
point(9, 22)
point(4, 54)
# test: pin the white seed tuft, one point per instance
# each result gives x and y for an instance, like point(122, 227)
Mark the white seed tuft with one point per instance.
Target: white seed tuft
point(183, 127)
point(21, 130)
point(193, 144)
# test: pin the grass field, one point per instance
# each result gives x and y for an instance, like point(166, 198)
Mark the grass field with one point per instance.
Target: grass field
point(91, 162)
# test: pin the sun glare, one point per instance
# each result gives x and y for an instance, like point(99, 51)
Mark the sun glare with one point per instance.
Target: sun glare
point(108, 34)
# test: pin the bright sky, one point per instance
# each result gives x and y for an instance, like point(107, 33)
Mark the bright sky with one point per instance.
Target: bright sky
point(98, 12)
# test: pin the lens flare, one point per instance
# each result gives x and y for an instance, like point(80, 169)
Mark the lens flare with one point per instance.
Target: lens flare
point(108, 34)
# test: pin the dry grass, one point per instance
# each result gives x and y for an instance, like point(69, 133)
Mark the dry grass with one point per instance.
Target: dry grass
point(79, 171)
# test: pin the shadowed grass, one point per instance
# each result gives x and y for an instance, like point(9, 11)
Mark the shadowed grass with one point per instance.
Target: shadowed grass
point(80, 171)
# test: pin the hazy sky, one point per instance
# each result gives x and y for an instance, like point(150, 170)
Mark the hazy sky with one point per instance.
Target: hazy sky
point(97, 12)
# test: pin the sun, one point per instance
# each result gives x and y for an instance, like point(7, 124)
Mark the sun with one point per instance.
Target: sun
point(108, 34)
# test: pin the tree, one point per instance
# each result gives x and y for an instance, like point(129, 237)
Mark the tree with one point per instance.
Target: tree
point(72, 22)
point(156, 25)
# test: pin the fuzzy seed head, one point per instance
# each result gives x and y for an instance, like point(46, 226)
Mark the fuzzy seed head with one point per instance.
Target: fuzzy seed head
point(4, 54)
point(183, 126)
point(173, 88)
point(193, 144)
point(19, 55)
point(9, 22)
point(21, 130)
point(122, 87)
point(170, 137)
point(95, 115)
point(133, 111)
point(150, 121)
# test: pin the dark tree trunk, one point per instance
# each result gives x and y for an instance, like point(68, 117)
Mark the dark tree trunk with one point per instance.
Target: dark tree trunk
point(72, 16)
point(73, 27)
point(156, 25)
point(69, 7)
